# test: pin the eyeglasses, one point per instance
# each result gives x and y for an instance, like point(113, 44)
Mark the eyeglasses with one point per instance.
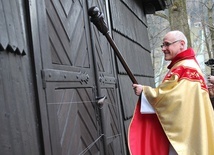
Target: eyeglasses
point(167, 44)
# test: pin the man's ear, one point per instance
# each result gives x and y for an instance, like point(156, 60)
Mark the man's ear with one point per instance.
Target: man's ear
point(182, 44)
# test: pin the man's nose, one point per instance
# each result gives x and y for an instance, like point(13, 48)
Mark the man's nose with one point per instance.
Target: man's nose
point(163, 48)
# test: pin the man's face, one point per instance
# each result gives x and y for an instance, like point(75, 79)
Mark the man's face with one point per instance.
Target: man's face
point(171, 47)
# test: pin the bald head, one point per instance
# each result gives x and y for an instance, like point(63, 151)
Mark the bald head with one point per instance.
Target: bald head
point(174, 42)
point(177, 35)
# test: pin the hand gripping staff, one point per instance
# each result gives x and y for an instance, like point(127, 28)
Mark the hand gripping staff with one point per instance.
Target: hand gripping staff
point(98, 20)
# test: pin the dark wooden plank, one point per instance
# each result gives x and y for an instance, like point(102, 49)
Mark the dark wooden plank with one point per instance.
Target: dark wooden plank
point(55, 34)
point(19, 115)
point(89, 104)
point(137, 58)
point(66, 120)
point(53, 120)
point(87, 140)
point(38, 34)
point(75, 146)
point(4, 39)
point(87, 121)
point(129, 99)
point(6, 145)
point(20, 110)
point(133, 28)
point(12, 27)
point(67, 4)
point(137, 8)
point(10, 23)
point(18, 21)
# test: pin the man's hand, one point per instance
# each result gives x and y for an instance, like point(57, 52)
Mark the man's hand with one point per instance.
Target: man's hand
point(137, 89)
point(211, 79)
point(211, 90)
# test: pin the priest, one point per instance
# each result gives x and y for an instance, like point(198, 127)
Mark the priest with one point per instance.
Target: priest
point(175, 118)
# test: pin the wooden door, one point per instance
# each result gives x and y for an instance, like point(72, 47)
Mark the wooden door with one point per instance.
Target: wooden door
point(111, 117)
point(77, 67)
point(69, 80)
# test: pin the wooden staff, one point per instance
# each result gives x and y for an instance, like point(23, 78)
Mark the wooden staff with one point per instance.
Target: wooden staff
point(97, 19)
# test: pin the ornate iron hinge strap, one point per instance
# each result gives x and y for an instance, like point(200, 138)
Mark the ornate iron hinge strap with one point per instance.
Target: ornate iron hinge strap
point(106, 80)
point(51, 75)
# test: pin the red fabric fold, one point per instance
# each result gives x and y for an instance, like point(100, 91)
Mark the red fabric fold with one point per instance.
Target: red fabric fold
point(187, 54)
point(146, 136)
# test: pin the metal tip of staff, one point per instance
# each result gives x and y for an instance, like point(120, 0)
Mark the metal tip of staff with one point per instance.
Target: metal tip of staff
point(93, 11)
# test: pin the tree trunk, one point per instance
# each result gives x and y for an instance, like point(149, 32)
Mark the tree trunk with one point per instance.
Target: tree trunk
point(210, 23)
point(178, 18)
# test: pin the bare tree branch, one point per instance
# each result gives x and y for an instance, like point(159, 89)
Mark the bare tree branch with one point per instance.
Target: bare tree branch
point(159, 14)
